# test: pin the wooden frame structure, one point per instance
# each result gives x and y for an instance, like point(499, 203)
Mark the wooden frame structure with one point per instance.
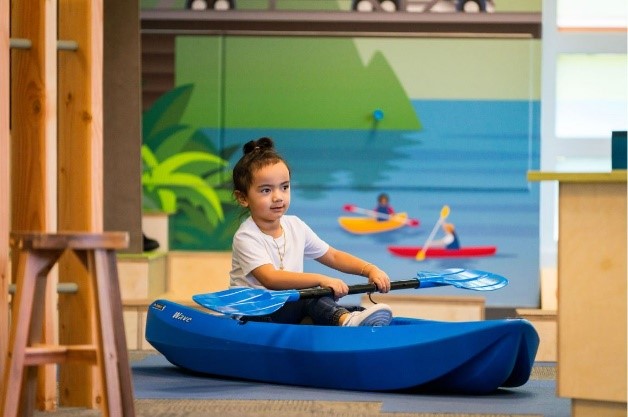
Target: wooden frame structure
point(52, 164)
point(4, 180)
point(53, 148)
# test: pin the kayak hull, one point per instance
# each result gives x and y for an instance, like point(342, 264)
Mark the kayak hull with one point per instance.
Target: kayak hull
point(368, 225)
point(471, 357)
point(411, 251)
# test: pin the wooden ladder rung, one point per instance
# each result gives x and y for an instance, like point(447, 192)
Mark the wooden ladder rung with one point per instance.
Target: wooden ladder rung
point(45, 354)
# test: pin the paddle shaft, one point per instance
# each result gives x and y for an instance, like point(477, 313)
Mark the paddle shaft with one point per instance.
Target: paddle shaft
point(359, 288)
point(444, 212)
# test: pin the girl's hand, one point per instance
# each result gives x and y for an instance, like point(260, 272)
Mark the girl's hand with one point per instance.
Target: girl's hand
point(379, 278)
point(338, 286)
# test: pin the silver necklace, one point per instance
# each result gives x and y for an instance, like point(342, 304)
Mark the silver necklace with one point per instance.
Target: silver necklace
point(281, 255)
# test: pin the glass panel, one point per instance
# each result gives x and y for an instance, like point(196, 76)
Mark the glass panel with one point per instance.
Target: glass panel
point(591, 98)
point(592, 14)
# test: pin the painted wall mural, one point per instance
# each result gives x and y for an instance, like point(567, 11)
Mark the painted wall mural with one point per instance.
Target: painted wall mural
point(429, 122)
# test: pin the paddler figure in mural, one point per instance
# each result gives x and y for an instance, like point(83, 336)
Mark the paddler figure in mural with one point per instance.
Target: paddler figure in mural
point(449, 240)
point(384, 207)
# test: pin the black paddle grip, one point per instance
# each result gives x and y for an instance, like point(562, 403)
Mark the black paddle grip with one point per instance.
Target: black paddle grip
point(359, 288)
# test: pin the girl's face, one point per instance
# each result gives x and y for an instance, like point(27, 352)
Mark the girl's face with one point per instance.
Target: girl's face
point(268, 197)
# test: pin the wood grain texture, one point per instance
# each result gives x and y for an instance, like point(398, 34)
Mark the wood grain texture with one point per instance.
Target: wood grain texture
point(592, 291)
point(80, 181)
point(4, 181)
point(29, 191)
point(33, 145)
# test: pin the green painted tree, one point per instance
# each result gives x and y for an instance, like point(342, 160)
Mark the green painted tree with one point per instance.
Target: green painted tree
point(184, 174)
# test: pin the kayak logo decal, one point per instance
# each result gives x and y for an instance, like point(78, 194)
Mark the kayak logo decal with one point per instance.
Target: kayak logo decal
point(158, 306)
point(180, 316)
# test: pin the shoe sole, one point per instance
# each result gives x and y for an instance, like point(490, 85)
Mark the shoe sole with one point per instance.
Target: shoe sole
point(381, 317)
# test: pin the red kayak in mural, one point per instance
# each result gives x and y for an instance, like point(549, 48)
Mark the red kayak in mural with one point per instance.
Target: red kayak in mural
point(469, 251)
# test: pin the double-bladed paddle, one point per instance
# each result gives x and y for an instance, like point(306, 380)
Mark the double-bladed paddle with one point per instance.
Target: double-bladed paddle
point(247, 301)
point(444, 212)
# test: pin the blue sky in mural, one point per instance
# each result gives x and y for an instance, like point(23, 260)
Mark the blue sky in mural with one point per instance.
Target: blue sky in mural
point(471, 155)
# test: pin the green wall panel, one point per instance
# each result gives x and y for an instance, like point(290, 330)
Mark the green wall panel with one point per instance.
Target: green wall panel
point(461, 68)
point(312, 83)
point(198, 61)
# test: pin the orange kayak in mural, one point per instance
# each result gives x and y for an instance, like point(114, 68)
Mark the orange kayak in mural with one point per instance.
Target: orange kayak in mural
point(367, 225)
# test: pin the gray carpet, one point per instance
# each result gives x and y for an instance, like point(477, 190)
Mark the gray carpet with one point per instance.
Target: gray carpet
point(155, 378)
point(245, 399)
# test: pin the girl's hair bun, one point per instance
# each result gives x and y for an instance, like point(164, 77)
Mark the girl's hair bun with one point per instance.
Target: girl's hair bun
point(259, 144)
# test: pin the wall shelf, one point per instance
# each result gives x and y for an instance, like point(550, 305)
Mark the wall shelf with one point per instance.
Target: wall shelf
point(343, 23)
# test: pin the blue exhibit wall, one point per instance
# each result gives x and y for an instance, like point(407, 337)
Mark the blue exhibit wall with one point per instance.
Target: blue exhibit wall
point(472, 135)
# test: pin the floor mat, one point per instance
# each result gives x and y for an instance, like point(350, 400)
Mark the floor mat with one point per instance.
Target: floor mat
point(155, 377)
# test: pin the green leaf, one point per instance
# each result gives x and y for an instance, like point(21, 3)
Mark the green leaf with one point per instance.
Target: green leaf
point(207, 199)
point(183, 185)
point(176, 135)
point(181, 161)
point(148, 157)
point(166, 111)
point(168, 200)
point(201, 141)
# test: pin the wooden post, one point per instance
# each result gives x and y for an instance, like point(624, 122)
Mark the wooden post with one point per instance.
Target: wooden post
point(80, 186)
point(33, 145)
point(4, 181)
point(122, 187)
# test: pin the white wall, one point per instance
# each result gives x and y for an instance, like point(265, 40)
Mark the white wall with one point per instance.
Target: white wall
point(583, 94)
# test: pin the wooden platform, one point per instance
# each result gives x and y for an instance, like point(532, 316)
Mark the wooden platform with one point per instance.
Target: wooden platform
point(175, 276)
point(445, 308)
point(545, 323)
point(591, 290)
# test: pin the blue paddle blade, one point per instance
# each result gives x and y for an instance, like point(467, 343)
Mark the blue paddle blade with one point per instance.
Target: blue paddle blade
point(246, 301)
point(468, 279)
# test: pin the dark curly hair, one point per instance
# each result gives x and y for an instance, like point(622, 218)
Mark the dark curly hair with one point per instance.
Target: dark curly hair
point(257, 154)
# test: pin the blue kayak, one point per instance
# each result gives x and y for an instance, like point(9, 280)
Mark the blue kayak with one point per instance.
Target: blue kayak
point(410, 354)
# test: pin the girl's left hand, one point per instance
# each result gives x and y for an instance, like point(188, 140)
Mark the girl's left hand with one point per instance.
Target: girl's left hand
point(380, 279)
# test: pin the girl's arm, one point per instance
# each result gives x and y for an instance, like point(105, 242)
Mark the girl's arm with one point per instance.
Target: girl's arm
point(350, 264)
point(277, 279)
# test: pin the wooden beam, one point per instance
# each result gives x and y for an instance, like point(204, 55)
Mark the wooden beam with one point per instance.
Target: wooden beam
point(4, 180)
point(80, 163)
point(81, 117)
point(33, 146)
point(122, 121)
point(33, 120)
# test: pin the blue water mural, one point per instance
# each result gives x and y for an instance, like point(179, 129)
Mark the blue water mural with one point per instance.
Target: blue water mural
point(471, 155)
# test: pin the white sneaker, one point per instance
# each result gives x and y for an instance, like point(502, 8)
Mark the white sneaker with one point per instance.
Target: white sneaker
point(376, 315)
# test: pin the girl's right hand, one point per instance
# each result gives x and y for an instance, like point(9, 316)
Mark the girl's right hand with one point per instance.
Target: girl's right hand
point(338, 286)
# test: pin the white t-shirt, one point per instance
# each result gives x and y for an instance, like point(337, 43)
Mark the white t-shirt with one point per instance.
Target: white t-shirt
point(252, 248)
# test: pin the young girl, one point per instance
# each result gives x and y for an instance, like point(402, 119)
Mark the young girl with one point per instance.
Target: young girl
point(270, 246)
